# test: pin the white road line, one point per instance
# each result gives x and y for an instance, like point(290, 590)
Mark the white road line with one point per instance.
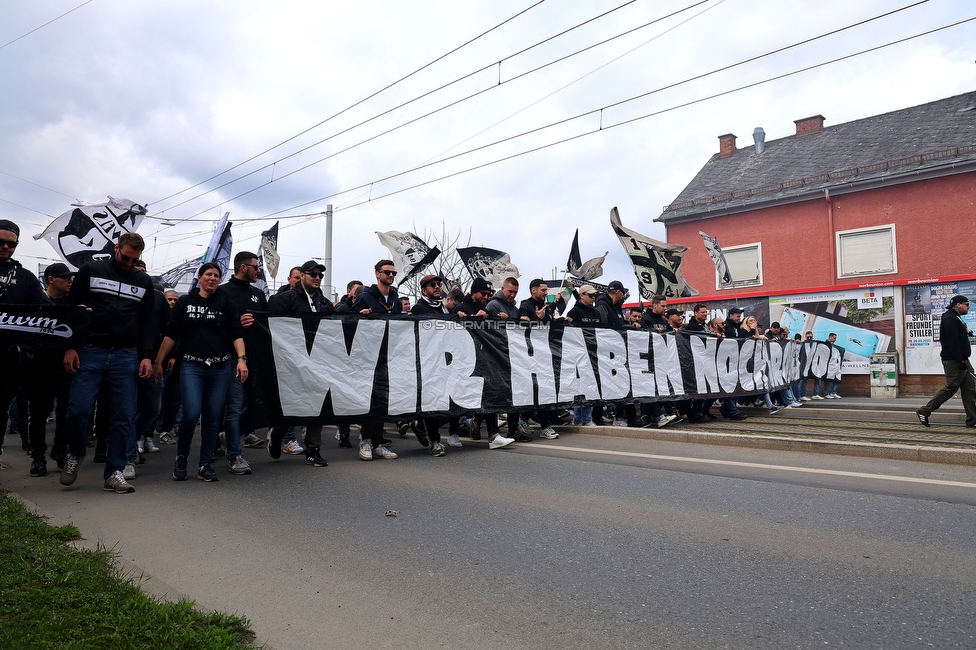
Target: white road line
point(781, 468)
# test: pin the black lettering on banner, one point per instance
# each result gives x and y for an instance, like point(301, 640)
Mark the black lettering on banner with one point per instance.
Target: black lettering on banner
point(349, 369)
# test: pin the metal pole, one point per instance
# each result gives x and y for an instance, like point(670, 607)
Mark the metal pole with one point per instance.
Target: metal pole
point(327, 279)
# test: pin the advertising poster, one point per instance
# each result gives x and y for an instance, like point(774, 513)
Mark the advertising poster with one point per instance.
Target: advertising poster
point(863, 320)
point(758, 307)
point(924, 306)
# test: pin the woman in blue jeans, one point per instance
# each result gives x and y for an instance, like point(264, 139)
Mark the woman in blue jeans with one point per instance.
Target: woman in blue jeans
point(208, 328)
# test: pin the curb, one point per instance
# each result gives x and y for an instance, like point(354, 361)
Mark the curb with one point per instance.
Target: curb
point(891, 451)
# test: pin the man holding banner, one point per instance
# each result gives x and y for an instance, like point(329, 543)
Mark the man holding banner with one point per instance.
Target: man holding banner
point(18, 286)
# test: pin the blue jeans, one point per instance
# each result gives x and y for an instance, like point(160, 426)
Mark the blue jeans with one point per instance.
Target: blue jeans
point(119, 369)
point(800, 388)
point(203, 389)
point(150, 395)
point(582, 414)
point(233, 414)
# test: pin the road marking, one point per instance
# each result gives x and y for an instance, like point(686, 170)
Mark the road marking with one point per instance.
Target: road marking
point(781, 468)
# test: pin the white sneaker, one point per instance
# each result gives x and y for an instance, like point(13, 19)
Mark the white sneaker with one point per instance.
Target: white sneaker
point(804, 399)
point(150, 446)
point(366, 450)
point(454, 440)
point(116, 483)
point(591, 423)
point(835, 395)
point(382, 452)
point(664, 420)
point(129, 472)
point(293, 448)
point(817, 397)
point(830, 396)
point(794, 405)
point(139, 446)
point(620, 423)
point(499, 441)
point(548, 433)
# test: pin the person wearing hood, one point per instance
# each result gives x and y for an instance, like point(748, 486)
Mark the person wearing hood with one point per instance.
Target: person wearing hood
point(502, 305)
point(609, 304)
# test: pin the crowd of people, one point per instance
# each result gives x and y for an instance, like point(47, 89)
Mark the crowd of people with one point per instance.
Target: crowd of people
point(157, 363)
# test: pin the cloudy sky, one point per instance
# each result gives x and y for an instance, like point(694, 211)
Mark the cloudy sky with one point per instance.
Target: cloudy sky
point(148, 100)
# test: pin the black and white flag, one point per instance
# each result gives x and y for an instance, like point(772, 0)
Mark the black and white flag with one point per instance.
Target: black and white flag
point(218, 251)
point(90, 232)
point(590, 270)
point(44, 326)
point(718, 257)
point(489, 264)
point(410, 253)
point(657, 264)
point(268, 251)
point(181, 273)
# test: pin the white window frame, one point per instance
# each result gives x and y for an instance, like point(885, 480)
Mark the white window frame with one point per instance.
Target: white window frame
point(839, 242)
point(720, 286)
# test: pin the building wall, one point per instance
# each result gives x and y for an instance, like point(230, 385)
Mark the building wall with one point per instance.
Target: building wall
point(935, 224)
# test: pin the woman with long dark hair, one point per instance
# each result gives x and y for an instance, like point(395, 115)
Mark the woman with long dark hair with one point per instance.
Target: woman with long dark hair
point(208, 328)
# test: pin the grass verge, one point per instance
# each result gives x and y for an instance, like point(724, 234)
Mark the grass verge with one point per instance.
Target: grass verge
point(55, 596)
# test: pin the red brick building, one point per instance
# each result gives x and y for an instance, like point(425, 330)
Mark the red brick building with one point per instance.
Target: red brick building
point(887, 201)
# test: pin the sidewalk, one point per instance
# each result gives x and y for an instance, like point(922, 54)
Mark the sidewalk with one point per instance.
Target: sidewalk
point(857, 426)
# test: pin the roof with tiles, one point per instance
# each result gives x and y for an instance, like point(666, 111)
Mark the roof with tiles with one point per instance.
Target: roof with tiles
point(905, 144)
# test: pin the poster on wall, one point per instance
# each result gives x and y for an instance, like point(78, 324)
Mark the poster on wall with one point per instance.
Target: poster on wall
point(924, 306)
point(758, 307)
point(863, 320)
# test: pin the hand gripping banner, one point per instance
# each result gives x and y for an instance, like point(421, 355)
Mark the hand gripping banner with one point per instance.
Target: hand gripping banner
point(325, 369)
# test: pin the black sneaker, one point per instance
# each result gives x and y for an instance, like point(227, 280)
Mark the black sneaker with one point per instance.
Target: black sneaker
point(207, 473)
point(219, 452)
point(38, 467)
point(179, 469)
point(924, 419)
point(518, 436)
point(422, 437)
point(275, 436)
point(386, 442)
point(404, 429)
point(344, 441)
point(313, 458)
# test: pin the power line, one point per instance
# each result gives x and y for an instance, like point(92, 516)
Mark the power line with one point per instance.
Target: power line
point(351, 106)
point(43, 187)
point(44, 25)
point(625, 122)
point(425, 115)
point(565, 120)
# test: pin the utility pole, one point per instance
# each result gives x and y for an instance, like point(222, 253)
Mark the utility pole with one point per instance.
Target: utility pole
point(328, 289)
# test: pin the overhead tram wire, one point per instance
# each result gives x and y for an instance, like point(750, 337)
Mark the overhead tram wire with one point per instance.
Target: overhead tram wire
point(625, 122)
point(355, 104)
point(45, 24)
point(407, 103)
point(541, 128)
point(43, 187)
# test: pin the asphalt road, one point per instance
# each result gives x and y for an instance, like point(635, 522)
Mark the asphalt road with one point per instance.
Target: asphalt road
point(582, 542)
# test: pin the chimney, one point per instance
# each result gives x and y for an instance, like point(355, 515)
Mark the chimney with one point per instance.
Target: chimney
point(809, 125)
point(726, 145)
point(759, 137)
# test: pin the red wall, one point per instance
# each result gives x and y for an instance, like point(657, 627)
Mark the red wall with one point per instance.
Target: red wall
point(935, 231)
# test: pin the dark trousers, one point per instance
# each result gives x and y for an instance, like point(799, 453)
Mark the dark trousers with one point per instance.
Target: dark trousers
point(46, 380)
point(9, 384)
point(957, 378)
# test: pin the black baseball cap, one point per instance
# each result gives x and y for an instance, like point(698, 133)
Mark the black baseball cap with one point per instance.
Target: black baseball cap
point(616, 285)
point(958, 300)
point(310, 265)
point(673, 312)
point(58, 270)
point(736, 310)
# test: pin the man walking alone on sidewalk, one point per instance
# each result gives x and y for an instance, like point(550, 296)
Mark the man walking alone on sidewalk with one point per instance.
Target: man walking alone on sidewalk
point(954, 336)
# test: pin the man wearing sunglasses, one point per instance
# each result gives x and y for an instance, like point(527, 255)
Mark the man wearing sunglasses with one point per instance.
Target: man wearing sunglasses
point(305, 298)
point(18, 286)
point(123, 326)
point(381, 299)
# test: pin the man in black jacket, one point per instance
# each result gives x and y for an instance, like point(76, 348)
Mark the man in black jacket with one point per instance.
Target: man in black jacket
point(123, 326)
point(733, 325)
point(18, 286)
point(956, 350)
point(247, 299)
point(305, 298)
point(430, 301)
point(654, 320)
